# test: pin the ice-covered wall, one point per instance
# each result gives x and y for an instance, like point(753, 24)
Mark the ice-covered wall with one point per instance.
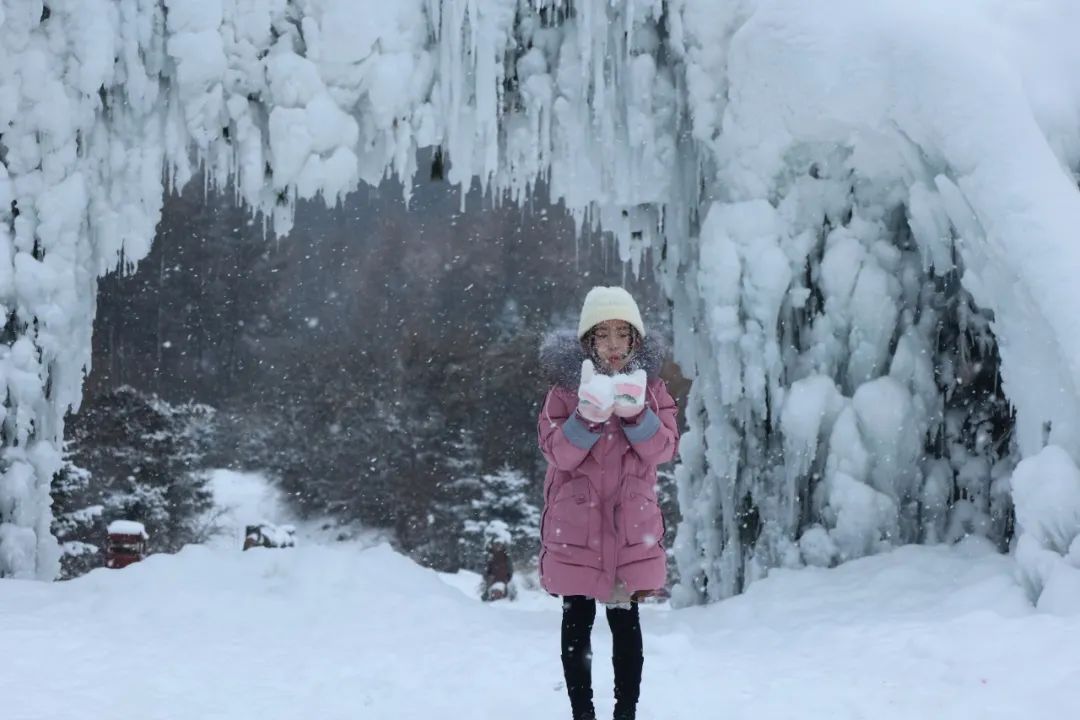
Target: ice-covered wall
point(82, 127)
point(800, 178)
point(859, 159)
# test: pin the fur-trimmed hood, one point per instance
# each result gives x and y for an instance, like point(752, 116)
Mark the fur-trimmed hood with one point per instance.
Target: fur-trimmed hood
point(561, 356)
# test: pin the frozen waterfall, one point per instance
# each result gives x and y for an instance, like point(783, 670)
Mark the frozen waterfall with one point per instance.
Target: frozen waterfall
point(864, 219)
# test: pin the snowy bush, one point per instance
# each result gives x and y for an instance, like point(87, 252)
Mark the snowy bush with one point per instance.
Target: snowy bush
point(1046, 490)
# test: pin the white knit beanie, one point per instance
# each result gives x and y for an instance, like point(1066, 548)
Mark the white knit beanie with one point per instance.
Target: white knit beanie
point(609, 303)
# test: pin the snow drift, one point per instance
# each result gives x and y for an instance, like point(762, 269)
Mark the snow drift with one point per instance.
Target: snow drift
point(339, 631)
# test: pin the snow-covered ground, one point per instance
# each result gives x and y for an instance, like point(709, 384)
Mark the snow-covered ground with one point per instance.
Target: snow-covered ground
point(349, 631)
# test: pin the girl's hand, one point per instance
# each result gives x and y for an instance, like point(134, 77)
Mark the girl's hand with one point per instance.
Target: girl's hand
point(630, 394)
point(596, 394)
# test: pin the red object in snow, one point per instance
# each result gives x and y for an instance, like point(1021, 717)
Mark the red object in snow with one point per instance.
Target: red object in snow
point(126, 545)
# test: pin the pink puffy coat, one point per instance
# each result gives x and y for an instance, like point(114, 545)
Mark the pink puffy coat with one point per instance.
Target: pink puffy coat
point(601, 520)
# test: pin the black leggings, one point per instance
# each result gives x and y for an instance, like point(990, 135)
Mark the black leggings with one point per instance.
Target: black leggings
point(577, 622)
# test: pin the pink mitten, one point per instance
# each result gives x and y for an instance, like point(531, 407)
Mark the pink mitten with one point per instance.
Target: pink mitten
point(630, 394)
point(596, 394)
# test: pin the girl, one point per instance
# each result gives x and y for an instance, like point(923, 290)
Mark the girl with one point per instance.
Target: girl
point(606, 424)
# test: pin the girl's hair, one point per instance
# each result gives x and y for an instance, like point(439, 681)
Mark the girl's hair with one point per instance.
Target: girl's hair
point(588, 345)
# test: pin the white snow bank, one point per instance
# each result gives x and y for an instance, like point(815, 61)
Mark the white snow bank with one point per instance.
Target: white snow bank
point(339, 632)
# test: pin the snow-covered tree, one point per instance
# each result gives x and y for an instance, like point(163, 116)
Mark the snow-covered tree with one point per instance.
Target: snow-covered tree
point(75, 516)
point(504, 508)
point(133, 457)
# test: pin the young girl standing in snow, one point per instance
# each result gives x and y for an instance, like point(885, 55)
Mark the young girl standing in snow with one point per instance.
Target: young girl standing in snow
point(606, 424)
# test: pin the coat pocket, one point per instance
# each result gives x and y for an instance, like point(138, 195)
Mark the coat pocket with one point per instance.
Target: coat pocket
point(643, 521)
point(566, 520)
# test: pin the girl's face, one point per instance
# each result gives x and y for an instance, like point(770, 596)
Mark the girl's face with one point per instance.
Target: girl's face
point(612, 340)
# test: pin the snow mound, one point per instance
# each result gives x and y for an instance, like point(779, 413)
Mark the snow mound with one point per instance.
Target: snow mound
point(343, 631)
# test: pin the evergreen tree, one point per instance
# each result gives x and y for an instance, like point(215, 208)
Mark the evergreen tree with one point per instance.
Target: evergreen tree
point(133, 456)
point(505, 507)
point(77, 521)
